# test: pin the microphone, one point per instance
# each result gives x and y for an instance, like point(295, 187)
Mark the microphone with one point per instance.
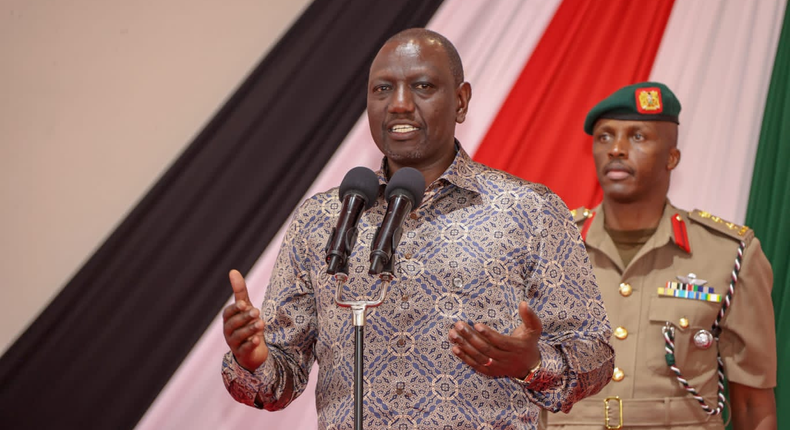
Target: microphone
point(358, 191)
point(404, 192)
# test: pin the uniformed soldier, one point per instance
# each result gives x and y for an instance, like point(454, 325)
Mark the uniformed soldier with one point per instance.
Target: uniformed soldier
point(687, 293)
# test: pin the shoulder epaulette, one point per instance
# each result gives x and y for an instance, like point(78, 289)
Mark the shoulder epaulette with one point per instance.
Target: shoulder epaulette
point(735, 231)
point(583, 218)
point(581, 214)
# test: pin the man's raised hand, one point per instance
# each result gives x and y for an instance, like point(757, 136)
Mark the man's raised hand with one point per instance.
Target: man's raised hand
point(243, 326)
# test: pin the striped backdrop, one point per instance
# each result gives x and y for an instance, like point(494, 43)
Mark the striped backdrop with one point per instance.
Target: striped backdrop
point(536, 67)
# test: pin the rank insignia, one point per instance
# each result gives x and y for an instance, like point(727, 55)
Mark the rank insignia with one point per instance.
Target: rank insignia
point(691, 279)
point(648, 100)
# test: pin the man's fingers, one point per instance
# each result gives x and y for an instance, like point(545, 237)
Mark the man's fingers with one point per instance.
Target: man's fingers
point(529, 318)
point(239, 319)
point(497, 340)
point(243, 331)
point(476, 361)
point(239, 286)
point(473, 343)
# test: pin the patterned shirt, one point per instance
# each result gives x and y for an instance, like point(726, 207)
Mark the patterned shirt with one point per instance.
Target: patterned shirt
point(481, 242)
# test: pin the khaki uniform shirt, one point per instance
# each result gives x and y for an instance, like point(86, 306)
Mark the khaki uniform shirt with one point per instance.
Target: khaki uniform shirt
point(650, 394)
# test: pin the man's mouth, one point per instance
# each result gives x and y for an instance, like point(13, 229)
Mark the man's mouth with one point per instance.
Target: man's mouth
point(403, 128)
point(617, 171)
point(617, 175)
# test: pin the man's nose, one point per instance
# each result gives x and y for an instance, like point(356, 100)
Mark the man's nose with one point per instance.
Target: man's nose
point(401, 100)
point(619, 148)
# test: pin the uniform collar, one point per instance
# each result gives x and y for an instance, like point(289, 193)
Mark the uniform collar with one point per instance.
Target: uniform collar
point(599, 239)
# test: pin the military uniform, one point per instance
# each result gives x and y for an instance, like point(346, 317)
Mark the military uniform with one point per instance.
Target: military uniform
point(691, 305)
point(667, 286)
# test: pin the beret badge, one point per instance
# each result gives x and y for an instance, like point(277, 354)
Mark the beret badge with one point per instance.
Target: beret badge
point(648, 100)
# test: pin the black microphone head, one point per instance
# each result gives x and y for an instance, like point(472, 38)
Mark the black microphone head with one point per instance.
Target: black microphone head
point(362, 181)
point(407, 180)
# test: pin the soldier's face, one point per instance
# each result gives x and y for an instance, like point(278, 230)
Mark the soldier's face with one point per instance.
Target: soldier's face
point(413, 103)
point(633, 159)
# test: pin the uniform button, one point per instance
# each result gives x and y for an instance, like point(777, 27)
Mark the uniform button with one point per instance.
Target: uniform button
point(620, 333)
point(684, 322)
point(625, 289)
point(408, 255)
point(618, 375)
point(414, 216)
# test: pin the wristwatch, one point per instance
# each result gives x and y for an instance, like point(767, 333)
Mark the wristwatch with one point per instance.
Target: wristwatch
point(531, 373)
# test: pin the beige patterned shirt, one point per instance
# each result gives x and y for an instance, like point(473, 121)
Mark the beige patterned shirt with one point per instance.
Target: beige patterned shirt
point(481, 242)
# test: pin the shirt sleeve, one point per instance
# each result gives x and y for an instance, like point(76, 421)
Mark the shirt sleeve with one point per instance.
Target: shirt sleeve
point(748, 338)
point(289, 314)
point(577, 358)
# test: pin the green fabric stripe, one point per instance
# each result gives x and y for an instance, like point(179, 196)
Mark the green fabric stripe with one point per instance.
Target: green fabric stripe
point(769, 202)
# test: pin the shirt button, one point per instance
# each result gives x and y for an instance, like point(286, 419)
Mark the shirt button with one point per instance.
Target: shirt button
point(414, 216)
point(620, 333)
point(625, 289)
point(399, 391)
point(684, 322)
point(408, 255)
point(618, 375)
point(401, 342)
point(404, 298)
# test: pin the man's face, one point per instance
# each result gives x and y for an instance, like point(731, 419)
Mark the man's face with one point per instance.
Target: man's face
point(413, 103)
point(633, 159)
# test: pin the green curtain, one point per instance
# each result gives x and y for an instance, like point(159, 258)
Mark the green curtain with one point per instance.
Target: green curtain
point(769, 202)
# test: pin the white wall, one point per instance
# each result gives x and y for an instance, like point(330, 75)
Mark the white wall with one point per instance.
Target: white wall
point(97, 98)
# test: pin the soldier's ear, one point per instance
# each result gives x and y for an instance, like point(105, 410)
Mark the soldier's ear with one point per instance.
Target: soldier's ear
point(674, 158)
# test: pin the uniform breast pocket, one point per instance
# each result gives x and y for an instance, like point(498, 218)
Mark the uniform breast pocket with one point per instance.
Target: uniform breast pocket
point(695, 349)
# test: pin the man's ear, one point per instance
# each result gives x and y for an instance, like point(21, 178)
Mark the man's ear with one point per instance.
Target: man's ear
point(674, 158)
point(463, 95)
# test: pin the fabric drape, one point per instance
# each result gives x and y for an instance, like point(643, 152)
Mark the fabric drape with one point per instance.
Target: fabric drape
point(537, 134)
point(717, 56)
point(769, 202)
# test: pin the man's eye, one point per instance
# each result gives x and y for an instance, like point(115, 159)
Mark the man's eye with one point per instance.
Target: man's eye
point(603, 138)
point(422, 86)
point(639, 137)
point(380, 88)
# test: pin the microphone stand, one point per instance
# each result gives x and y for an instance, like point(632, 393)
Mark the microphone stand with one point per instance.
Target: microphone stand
point(358, 308)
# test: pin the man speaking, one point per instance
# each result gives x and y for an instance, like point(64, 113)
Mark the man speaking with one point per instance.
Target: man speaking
point(493, 312)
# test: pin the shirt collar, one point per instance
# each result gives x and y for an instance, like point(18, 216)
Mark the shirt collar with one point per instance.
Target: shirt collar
point(460, 173)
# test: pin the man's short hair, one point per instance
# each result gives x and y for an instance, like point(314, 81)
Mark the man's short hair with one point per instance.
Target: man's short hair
point(456, 67)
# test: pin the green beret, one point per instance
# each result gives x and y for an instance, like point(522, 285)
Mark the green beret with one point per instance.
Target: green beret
point(645, 101)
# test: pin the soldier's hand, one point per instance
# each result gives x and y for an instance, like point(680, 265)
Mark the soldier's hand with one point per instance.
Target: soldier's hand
point(243, 326)
point(497, 354)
